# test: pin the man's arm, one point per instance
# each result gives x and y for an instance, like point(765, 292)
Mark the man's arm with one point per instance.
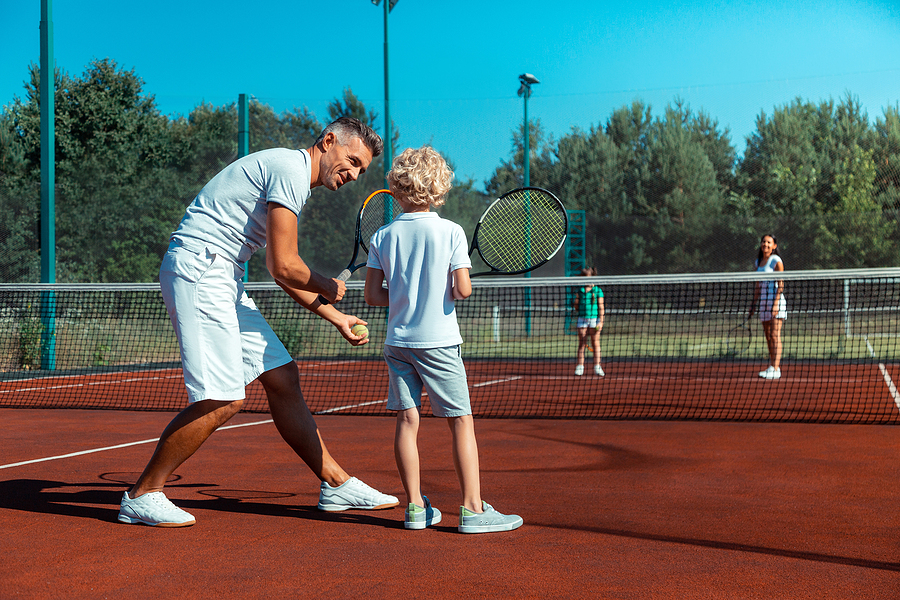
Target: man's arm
point(298, 280)
point(286, 266)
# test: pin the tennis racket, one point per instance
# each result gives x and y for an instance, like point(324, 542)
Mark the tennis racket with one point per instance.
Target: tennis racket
point(377, 210)
point(739, 338)
point(520, 231)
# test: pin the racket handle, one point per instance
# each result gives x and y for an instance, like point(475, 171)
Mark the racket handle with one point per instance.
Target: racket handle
point(344, 276)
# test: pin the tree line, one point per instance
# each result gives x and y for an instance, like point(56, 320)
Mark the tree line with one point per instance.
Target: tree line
point(662, 194)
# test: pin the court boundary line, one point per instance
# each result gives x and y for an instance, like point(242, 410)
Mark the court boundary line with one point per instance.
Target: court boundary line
point(373, 402)
point(890, 384)
point(116, 447)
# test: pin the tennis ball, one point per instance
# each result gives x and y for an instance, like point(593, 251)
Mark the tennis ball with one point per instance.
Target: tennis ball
point(360, 330)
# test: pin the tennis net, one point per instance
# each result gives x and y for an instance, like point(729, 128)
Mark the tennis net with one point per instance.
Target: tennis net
point(667, 349)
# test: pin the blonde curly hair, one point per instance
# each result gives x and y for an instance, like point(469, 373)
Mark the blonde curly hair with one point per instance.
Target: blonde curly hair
point(420, 176)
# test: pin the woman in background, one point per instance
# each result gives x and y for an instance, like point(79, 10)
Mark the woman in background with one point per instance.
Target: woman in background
point(769, 302)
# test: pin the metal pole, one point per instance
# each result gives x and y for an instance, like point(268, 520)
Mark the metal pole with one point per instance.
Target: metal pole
point(527, 157)
point(48, 184)
point(388, 140)
point(244, 146)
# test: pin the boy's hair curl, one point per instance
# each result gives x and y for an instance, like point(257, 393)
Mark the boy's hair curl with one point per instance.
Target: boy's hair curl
point(420, 176)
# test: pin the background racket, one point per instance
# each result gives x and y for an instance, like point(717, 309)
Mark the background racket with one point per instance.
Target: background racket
point(376, 211)
point(739, 338)
point(520, 231)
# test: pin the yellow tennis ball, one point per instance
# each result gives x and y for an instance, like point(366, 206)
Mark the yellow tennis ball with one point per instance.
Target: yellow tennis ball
point(360, 330)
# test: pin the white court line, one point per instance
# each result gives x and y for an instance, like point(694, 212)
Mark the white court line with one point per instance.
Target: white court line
point(890, 384)
point(351, 406)
point(83, 452)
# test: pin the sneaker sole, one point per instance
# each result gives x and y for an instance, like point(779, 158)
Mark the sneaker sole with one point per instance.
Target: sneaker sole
point(421, 524)
point(132, 520)
point(343, 507)
point(490, 528)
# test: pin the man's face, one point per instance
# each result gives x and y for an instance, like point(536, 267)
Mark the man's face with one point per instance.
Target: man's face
point(341, 164)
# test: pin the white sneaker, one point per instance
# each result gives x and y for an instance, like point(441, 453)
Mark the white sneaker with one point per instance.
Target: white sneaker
point(579, 370)
point(353, 494)
point(153, 509)
point(772, 373)
point(765, 374)
point(598, 371)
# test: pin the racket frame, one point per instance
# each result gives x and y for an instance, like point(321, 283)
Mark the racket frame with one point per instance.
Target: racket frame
point(494, 271)
point(358, 242)
point(746, 332)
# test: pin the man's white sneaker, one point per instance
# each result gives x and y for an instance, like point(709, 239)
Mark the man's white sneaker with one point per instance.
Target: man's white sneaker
point(353, 494)
point(598, 371)
point(153, 509)
point(579, 370)
point(765, 374)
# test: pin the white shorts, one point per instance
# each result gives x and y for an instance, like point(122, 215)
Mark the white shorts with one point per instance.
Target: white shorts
point(583, 323)
point(439, 370)
point(225, 342)
point(765, 308)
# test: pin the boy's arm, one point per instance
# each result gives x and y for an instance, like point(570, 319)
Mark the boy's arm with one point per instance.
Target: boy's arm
point(462, 284)
point(375, 294)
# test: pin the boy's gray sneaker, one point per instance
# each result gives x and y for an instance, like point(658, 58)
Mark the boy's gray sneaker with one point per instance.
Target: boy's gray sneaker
point(486, 522)
point(418, 517)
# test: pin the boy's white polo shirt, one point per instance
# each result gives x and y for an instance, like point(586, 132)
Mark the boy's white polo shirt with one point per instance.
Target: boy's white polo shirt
point(418, 253)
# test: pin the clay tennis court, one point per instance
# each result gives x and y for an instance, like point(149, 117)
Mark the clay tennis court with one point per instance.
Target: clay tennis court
point(613, 508)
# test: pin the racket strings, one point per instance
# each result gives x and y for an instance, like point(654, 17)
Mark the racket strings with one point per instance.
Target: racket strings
point(377, 212)
point(522, 230)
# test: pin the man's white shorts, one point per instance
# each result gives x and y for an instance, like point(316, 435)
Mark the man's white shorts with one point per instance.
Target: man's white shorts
point(225, 342)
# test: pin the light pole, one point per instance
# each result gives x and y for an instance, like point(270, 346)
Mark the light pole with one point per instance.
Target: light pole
point(388, 137)
point(527, 80)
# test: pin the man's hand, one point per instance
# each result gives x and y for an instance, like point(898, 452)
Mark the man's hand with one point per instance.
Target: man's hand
point(344, 323)
point(334, 291)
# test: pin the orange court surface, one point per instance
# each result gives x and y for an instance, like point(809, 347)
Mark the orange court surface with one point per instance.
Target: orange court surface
point(612, 509)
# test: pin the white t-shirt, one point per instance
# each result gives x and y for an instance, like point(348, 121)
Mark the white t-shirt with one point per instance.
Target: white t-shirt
point(418, 253)
point(229, 214)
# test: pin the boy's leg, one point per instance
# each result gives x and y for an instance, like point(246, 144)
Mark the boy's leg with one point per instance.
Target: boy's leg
point(406, 453)
point(465, 460)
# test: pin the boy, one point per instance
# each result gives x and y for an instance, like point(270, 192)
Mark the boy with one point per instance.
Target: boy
point(425, 262)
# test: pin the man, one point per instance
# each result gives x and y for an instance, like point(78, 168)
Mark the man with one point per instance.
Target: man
point(225, 342)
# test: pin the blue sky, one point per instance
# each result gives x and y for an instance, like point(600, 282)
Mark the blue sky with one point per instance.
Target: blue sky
point(454, 66)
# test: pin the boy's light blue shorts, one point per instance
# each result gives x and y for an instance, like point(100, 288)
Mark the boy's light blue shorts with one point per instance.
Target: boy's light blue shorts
point(439, 371)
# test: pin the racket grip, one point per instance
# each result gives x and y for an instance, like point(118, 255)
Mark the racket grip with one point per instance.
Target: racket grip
point(344, 276)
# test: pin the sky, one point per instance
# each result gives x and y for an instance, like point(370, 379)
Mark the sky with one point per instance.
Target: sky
point(454, 66)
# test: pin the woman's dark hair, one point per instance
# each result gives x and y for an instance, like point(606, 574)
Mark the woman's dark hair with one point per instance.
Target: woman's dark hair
point(759, 255)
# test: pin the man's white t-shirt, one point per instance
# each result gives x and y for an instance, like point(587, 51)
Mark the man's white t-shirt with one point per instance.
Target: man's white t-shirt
point(418, 253)
point(229, 214)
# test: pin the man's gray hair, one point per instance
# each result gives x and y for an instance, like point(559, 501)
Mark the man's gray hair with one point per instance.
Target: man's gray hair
point(347, 128)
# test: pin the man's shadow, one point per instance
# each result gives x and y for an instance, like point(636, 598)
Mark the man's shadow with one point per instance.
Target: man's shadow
point(100, 501)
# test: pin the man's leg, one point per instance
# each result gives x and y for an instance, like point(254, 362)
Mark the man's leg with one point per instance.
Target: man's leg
point(181, 438)
point(296, 425)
